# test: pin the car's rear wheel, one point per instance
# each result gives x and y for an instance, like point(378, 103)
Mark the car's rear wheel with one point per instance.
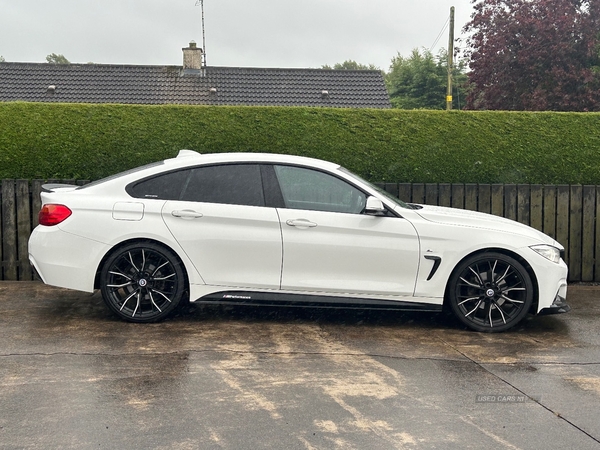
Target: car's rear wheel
point(142, 282)
point(490, 292)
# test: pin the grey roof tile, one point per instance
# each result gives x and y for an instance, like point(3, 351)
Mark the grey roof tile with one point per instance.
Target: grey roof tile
point(107, 83)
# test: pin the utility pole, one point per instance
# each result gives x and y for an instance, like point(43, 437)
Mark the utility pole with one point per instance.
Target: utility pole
point(450, 60)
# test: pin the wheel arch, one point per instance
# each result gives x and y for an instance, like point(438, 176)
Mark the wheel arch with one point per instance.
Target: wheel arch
point(506, 252)
point(140, 241)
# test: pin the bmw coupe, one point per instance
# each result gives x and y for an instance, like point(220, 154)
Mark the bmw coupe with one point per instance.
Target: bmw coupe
point(286, 230)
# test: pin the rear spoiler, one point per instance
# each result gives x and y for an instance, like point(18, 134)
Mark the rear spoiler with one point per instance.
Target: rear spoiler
point(50, 187)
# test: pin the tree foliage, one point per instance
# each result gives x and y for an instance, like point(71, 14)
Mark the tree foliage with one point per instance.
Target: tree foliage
point(419, 81)
point(2, 58)
point(350, 65)
point(534, 55)
point(53, 58)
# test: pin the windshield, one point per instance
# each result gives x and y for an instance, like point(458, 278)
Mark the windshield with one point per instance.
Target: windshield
point(389, 196)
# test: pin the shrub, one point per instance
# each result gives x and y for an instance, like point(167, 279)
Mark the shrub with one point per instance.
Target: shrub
point(82, 141)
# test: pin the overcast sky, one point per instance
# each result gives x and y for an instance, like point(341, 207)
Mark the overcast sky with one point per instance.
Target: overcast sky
point(246, 33)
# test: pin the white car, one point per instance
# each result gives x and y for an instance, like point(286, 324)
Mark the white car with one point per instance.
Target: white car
point(277, 229)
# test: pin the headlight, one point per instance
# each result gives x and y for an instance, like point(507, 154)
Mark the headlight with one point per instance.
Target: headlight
point(547, 251)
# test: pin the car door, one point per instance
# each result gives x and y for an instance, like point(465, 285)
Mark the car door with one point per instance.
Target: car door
point(224, 227)
point(331, 246)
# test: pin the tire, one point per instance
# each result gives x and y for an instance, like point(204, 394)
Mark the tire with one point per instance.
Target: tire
point(490, 292)
point(142, 282)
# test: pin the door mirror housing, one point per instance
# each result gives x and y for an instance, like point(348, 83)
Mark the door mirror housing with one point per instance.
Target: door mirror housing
point(374, 207)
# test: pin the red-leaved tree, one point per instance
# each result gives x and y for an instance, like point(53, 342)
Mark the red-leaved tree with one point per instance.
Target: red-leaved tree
point(534, 55)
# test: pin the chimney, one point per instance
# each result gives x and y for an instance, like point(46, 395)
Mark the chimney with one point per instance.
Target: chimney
point(192, 57)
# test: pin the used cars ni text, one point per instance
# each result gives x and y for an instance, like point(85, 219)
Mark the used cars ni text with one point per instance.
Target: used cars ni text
point(250, 228)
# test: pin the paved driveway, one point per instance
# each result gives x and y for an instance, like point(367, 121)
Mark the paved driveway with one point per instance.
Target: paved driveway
point(73, 376)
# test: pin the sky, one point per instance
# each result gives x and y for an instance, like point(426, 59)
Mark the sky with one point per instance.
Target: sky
point(239, 33)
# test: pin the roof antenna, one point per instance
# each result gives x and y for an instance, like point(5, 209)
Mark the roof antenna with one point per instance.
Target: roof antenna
point(201, 4)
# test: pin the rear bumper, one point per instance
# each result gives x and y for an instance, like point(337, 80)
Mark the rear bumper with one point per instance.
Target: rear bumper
point(63, 259)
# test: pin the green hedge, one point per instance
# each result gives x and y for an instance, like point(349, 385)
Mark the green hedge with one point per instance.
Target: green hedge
point(91, 141)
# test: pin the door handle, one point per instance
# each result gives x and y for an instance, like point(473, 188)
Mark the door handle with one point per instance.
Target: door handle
point(300, 223)
point(186, 214)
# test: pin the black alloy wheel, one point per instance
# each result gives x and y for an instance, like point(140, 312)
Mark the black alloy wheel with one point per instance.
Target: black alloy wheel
point(142, 282)
point(490, 292)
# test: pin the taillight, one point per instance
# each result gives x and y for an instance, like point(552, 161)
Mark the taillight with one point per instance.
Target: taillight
point(51, 214)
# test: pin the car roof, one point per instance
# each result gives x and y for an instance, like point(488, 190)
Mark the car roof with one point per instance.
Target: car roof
point(190, 157)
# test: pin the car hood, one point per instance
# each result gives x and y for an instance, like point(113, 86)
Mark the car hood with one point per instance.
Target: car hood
point(463, 217)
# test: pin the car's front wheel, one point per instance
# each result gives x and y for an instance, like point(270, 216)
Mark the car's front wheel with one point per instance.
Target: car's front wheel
point(490, 292)
point(142, 282)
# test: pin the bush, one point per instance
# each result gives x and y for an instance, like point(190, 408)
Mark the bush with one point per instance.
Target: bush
point(41, 140)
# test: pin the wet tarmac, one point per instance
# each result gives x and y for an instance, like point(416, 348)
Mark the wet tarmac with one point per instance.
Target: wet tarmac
point(73, 376)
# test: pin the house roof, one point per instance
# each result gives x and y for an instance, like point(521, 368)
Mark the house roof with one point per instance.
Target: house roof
point(134, 84)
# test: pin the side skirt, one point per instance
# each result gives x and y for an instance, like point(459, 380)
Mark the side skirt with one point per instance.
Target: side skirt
point(246, 298)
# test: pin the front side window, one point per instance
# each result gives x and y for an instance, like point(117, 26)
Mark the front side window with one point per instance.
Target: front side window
point(309, 189)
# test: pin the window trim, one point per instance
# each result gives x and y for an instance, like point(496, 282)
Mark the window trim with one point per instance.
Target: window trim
point(271, 188)
point(272, 193)
point(131, 186)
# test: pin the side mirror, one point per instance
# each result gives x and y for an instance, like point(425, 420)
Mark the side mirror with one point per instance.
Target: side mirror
point(374, 207)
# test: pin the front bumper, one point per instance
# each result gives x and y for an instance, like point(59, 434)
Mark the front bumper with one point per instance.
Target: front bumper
point(559, 306)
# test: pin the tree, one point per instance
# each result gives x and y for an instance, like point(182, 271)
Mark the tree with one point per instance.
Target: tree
point(350, 65)
point(2, 59)
point(420, 80)
point(53, 58)
point(534, 55)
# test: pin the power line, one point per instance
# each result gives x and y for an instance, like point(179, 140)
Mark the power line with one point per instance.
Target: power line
point(440, 34)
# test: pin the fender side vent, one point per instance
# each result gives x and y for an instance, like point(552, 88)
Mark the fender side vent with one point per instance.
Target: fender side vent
point(436, 264)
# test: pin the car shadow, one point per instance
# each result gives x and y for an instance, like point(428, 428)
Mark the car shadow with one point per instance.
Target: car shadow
point(198, 312)
point(70, 307)
point(307, 314)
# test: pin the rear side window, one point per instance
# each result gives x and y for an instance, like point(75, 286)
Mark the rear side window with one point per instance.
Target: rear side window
point(234, 184)
point(167, 186)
